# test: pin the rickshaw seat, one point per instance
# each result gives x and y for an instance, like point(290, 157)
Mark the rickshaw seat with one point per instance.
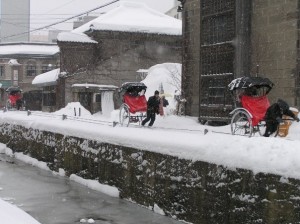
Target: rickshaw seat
point(135, 103)
point(14, 98)
point(257, 106)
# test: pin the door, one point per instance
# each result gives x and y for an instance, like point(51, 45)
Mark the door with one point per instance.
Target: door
point(217, 55)
point(85, 99)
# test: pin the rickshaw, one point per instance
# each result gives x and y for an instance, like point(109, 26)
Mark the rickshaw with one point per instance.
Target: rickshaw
point(251, 103)
point(134, 106)
point(14, 98)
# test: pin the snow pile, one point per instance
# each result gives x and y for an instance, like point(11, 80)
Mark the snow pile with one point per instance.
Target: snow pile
point(168, 76)
point(158, 210)
point(73, 109)
point(95, 185)
point(31, 161)
point(11, 214)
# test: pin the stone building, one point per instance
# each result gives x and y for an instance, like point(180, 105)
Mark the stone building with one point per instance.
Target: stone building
point(109, 50)
point(228, 39)
point(20, 63)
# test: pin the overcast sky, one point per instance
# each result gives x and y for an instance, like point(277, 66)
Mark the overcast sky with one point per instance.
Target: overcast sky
point(47, 12)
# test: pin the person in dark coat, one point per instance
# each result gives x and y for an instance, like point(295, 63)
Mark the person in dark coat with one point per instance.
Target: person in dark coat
point(274, 115)
point(152, 108)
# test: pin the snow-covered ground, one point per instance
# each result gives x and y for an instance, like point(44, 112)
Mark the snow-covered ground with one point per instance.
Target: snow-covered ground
point(11, 214)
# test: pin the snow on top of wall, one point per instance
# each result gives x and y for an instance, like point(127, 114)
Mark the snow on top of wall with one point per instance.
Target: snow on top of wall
point(130, 17)
point(28, 49)
point(74, 37)
point(46, 78)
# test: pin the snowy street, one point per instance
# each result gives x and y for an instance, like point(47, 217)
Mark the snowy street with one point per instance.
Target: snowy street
point(54, 199)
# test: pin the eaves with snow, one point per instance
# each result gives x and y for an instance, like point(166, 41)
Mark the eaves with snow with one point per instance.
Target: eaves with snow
point(47, 78)
point(28, 49)
point(75, 37)
point(127, 17)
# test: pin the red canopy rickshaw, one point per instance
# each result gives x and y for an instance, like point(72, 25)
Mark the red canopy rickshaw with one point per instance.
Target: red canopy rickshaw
point(134, 106)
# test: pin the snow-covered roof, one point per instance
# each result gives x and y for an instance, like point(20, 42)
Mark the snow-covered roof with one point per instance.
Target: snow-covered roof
point(100, 87)
point(33, 49)
point(74, 37)
point(129, 17)
point(47, 78)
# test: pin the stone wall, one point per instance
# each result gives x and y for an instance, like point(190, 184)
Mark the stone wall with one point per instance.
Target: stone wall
point(193, 191)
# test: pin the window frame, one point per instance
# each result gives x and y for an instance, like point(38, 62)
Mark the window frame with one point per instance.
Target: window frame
point(31, 70)
point(2, 71)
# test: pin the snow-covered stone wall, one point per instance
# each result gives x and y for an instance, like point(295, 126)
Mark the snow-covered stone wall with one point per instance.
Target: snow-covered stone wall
point(193, 191)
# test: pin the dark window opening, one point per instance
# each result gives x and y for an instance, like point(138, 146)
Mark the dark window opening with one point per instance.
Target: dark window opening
point(1, 71)
point(31, 70)
point(98, 98)
point(49, 99)
point(85, 99)
point(46, 68)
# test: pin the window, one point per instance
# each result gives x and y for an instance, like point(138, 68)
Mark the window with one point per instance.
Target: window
point(46, 68)
point(1, 71)
point(31, 70)
point(98, 98)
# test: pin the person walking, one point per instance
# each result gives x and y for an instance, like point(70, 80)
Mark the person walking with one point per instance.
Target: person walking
point(274, 115)
point(152, 109)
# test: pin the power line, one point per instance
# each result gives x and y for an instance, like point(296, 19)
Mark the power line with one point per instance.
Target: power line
point(64, 20)
point(60, 6)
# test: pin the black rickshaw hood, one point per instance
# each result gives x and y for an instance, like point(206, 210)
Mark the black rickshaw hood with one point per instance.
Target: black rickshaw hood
point(247, 82)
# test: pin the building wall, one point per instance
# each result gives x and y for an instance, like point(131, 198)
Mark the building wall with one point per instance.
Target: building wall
point(75, 60)
point(15, 19)
point(274, 46)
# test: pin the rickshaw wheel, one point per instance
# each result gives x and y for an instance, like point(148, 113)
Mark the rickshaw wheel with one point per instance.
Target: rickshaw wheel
point(262, 129)
point(241, 124)
point(124, 115)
